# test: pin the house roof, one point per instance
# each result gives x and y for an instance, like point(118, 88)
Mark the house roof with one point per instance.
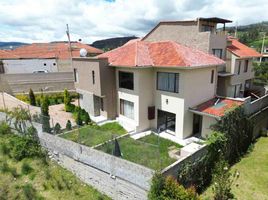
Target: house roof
point(7, 54)
point(138, 53)
point(217, 106)
point(58, 50)
point(215, 20)
point(241, 50)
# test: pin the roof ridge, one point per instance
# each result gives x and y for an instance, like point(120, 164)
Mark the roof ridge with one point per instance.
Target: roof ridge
point(174, 44)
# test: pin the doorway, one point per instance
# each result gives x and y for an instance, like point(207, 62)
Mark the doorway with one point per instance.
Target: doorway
point(197, 124)
point(166, 121)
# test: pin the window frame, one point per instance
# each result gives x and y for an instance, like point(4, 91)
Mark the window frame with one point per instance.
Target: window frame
point(212, 76)
point(120, 80)
point(214, 50)
point(239, 67)
point(246, 66)
point(122, 111)
point(176, 82)
point(93, 77)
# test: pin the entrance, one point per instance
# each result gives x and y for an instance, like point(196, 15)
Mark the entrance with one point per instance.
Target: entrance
point(197, 124)
point(166, 120)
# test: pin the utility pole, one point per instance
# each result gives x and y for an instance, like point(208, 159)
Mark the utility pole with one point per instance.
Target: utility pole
point(262, 46)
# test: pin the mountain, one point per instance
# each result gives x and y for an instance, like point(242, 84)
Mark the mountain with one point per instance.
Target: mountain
point(111, 43)
point(14, 45)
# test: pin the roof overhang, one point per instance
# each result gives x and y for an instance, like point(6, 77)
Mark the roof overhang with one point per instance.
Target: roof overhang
point(215, 20)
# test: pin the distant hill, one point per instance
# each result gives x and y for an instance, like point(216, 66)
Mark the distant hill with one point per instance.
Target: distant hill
point(261, 27)
point(14, 45)
point(111, 43)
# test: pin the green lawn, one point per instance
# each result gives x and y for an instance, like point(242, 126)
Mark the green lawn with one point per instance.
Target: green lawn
point(253, 169)
point(93, 135)
point(43, 181)
point(144, 151)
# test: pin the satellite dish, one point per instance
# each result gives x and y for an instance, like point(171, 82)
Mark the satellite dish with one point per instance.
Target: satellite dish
point(83, 52)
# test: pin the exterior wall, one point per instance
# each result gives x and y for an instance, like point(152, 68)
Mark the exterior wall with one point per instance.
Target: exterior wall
point(185, 34)
point(19, 66)
point(207, 122)
point(64, 65)
point(218, 41)
point(86, 102)
point(104, 86)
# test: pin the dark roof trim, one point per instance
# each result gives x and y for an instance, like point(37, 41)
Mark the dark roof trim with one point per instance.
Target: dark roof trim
point(215, 20)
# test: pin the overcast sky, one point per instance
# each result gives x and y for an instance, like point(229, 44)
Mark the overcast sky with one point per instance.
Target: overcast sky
point(90, 20)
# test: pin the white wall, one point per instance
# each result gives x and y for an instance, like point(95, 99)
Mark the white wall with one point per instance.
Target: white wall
point(18, 66)
point(207, 122)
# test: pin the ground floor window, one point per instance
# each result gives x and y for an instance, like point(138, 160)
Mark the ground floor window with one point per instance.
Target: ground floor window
point(127, 108)
point(166, 121)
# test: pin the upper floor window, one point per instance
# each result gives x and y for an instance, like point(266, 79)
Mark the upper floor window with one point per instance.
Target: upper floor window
point(126, 80)
point(217, 52)
point(93, 77)
point(168, 82)
point(246, 66)
point(75, 75)
point(239, 67)
point(212, 76)
point(207, 28)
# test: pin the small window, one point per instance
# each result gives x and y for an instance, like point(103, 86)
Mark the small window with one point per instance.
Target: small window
point(212, 76)
point(45, 64)
point(207, 28)
point(75, 75)
point(246, 66)
point(217, 52)
point(101, 104)
point(93, 77)
point(239, 67)
point(126, 80)
point(127, 108)
point(168, 82)
point(54, 64)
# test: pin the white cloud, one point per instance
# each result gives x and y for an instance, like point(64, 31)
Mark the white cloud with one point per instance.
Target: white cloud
point(45, 20)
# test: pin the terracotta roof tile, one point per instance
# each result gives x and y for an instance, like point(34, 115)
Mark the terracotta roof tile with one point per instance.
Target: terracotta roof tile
point(219, 109)
point(7, 54)
point(158, 54)
point(241, 50)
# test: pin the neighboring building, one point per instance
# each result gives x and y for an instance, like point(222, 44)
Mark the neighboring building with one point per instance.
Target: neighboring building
point(48, 57)
point(265, 54)
point(236, 78)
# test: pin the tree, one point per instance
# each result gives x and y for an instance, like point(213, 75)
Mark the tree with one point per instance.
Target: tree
point(57, 128)
point(66, 99)
point(261, 73)
point(32, 97)
point(68, 125)
point(45, 114)
point(223, 180)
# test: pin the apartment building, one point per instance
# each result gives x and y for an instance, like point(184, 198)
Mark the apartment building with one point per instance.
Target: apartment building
point(166, 81)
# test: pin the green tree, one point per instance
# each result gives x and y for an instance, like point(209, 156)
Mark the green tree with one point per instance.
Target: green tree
point(57, 128)
point(45, 115)
point(261, 73)
point(32, 97)
point(68, 125)
point(66, 99)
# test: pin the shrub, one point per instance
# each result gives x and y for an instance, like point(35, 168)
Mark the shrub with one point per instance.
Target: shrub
point(13, 172)
point(4, 167)
point(157, 186)
point(70, 108)
point(29, 192)
point(68, 125)
point(45, 123)
point(57, 128)
point(5, 150)
point(66, 98)
point(26, 168)
point(4, 128)
point(44, 106)
point(85, 116)
point(32, 97)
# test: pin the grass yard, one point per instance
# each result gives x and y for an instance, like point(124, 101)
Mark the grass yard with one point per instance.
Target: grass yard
point(92, 135)
point(40, 180)
point(253, 169)
point(144, 151)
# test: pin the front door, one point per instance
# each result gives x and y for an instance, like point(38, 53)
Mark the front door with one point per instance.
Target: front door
point(197, 124)
point(166, 120)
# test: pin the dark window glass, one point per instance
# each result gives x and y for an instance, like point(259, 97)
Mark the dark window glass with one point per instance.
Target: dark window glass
point(101, 104)
point(212, 76)
point(168, 82)
point(246, 66)
point(127, 108)
point(93, 77)
point(54, 64)
point(126, 80)
point(75, 75)
point(45, 64)
point(217, 52)
point(239, 67)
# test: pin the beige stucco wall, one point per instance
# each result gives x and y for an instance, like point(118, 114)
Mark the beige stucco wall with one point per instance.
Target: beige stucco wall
point(207, 122)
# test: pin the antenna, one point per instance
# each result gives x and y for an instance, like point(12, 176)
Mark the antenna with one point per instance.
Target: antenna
point(69, 40)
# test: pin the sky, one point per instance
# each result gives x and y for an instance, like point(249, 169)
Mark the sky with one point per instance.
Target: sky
point(91, 20)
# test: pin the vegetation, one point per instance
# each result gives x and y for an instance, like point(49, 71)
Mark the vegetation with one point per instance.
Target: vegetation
point(57, 128)
point(169, 189)
point(253, 178)
point(144, 151)
point(67, 100)
point(32, 98)
point(45, 115)
point(261, 73)
point(92, 135)
point(35, 177)
point(68, 125)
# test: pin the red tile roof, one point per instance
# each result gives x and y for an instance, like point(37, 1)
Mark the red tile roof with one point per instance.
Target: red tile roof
point(7, 54)
point(241, 50)
point(219, 109)
point(165, 53)
point(58, 50)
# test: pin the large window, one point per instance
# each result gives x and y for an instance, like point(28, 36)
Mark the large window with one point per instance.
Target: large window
point(168, 82)
point(127, 108)
point(217, 52)
point(126, 80)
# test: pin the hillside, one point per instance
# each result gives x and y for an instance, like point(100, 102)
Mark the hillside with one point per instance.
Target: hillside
point(111, 43)
point(7, 45)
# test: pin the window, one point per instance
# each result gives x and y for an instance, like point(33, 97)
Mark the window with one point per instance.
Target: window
point(127, 108)
point(207, 28)
point(239, 67)
point(54, 64)
point(75, 75)
point(212, 76)
point(101, 104)
point(45, 64)
point(168, 82)
point(217, 52)
point(246, 66)
point(126, 80)
point(93, 77)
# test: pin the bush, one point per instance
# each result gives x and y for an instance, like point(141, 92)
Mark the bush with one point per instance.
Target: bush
point(57, 128)
point(4, 167)
point(70, 108)
point(85, 116)
point(44, 106)
point(68, 125)
point(4, 149)
point(4, 128)
point(26, 168)
point(32, 97)
point(29, 192)
point(66, 99)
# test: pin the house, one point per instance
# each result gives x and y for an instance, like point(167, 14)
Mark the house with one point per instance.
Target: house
point(167, 81)
point(50, 57)
point(236, 78)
